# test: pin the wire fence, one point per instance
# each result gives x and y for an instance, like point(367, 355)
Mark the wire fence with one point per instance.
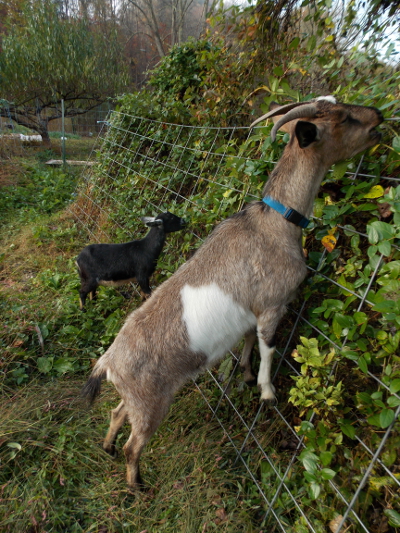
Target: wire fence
point(17, 140)
point(148, 166)
point(85, 124)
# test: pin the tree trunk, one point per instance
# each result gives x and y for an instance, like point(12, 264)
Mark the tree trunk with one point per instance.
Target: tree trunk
point(44, 132)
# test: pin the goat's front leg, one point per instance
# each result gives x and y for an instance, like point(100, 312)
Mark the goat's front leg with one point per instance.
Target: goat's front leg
point(266, 326)
point(246, 359)
point(144, 285)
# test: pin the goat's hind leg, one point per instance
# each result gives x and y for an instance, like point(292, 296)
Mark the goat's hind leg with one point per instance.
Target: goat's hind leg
point(118, 418)
point(144, 420)
point(246, 359)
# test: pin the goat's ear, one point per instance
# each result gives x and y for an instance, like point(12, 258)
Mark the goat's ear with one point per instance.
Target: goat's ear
point(306, 133)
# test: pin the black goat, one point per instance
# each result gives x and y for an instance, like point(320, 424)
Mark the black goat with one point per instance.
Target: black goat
point(116, 264)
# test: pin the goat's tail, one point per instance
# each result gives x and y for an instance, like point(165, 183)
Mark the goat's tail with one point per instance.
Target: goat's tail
point(92, 387)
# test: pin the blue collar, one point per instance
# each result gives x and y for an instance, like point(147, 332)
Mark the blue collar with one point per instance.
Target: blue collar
point(289, 213)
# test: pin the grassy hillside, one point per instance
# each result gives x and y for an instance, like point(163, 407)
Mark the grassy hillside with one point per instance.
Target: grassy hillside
point(54, 474)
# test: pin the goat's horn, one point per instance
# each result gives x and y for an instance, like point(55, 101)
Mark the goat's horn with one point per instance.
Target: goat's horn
point(281, 110)
point(289, 112)
point(307, 111)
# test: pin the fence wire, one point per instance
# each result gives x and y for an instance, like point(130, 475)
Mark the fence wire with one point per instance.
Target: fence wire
point(167, 166)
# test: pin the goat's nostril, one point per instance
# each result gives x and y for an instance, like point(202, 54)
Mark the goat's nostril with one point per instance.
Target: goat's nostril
point(375, 134)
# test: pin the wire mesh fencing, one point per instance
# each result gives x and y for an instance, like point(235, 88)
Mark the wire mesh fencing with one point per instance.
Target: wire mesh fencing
point(324, 458)
point(72, 136)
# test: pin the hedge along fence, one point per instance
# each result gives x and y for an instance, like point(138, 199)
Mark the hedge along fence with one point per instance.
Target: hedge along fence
point(325, 457)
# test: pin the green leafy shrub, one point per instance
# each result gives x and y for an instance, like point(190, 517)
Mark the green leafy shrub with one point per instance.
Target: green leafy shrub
point(40, 192)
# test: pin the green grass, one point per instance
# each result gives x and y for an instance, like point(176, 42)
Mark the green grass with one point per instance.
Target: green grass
point(54, 475)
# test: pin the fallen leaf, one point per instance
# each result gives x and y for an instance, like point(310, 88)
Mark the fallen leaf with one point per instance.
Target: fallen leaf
point(329, 241)
point(384, 210)
point(17, 343)
point(334, 524)
point(375, 192)
point(221, 514)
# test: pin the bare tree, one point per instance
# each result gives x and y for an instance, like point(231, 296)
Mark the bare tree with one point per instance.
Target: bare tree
point(162, 23)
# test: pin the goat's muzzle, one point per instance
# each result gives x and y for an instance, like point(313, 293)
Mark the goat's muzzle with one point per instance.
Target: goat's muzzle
point(375, 135)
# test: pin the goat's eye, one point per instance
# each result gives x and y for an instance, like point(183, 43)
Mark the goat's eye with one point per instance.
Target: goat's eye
point(345, 119)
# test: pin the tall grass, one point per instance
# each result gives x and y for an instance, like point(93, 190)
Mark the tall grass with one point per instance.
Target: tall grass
point(54, 475)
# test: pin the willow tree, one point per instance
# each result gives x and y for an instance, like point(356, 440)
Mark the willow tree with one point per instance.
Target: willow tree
point(47, 58)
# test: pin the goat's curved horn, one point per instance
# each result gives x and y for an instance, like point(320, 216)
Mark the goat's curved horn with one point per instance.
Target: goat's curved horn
point(307, 111)
point(289, 112)
point(281, 110)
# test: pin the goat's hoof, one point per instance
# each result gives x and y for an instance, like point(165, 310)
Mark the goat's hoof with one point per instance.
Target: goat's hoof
point(248, 377)
point(138, 487)
point(251, 381)
point(269, 402)
point(268, 394)
point(111, 450)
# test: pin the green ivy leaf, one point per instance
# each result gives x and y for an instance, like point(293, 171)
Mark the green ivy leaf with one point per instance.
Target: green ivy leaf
point(348, 430)
point(395, 386)
point(309, 461)
point(326, 458)
point(339, 169)
point(386, 418)
point(393, 401)
point(63, 365)
point(378, 231)
point(374, 420)
point(44, 364)
point(385, 248)
point(328, 473)
point(393, 516)
point(362, 363)
point(315, 490)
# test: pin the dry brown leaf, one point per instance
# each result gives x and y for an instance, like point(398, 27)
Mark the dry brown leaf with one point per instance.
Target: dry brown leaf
point(221, 514)
point(334, 524)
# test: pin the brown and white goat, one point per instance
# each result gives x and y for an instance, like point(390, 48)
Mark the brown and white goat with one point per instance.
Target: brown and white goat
point(238, 282)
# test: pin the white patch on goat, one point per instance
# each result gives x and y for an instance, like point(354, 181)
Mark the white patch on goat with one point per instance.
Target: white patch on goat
point(329, 98)
point(264, 372)
point(214, 321)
